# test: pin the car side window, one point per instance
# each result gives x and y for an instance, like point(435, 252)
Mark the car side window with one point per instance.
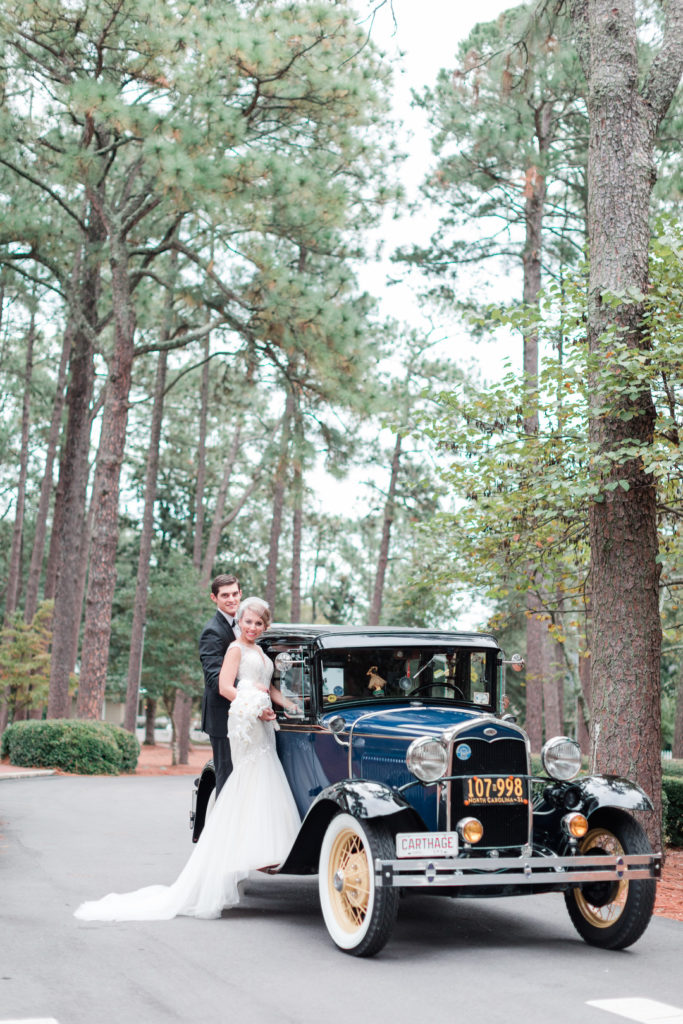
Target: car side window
point(292, 677)
point(368, 673)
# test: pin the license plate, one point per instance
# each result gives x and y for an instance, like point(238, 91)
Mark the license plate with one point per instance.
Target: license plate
point(427, 844)
point(486, 790)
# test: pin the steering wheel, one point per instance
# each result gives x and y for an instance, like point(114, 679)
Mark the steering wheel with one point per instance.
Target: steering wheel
point(428, 686)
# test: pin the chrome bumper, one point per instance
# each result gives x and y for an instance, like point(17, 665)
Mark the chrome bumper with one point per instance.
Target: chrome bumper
point(557, 872)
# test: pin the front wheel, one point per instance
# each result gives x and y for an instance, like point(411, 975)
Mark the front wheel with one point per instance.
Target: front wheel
point(612, 915)
point(358, 914)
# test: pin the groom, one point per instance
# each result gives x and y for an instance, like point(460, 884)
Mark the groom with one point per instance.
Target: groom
point(214, 641)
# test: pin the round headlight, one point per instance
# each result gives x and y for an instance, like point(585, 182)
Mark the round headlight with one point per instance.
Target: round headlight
point(561, 758)
point(427, 758)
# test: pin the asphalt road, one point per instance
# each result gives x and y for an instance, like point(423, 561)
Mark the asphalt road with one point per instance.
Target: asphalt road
point(66, 839)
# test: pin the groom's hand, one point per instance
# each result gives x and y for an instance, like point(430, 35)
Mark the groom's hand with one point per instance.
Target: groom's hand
point(267, 715)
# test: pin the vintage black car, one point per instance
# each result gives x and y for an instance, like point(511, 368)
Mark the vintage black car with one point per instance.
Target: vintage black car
point(408, 773)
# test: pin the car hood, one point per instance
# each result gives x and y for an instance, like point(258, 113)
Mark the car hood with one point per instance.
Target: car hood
point(395, 721)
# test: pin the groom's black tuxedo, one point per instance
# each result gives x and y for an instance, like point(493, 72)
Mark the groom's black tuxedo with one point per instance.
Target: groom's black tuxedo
point(214, 641)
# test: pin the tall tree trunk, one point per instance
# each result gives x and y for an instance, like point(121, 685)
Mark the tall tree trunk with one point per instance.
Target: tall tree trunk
point(553, 689)
point(677, 746)
point(201, 459)
point(217, 523)
point(182, 717)
point(137, 631)
point(535, 647)
point(627, 636)
point(536, 625)
point(150, 717)
point(85, 543)
point(14, 575)
point(74, 474)
point(52, 566)
point(387, 522)
point(102, 570)
point(38, 550)
point(278, 503)
point(297, 517)
point(583, 703)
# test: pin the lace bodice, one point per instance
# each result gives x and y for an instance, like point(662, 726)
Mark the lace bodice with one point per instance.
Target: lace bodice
point(255, 668)
point(249, 735)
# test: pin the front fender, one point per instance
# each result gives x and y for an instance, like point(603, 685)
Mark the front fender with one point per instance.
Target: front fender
point(611, 791)
point(352, 796)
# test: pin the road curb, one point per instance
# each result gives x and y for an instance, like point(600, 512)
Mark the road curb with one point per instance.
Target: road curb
point(25, 773)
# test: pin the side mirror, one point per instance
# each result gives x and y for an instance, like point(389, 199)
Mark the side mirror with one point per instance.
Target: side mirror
point(516, 663)
point(337, 725)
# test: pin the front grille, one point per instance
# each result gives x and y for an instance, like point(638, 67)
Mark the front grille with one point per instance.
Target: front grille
point(504, 824)
point(392, 771)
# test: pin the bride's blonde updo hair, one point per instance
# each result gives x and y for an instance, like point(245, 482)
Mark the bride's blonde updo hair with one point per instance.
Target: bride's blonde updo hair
point(257, 605)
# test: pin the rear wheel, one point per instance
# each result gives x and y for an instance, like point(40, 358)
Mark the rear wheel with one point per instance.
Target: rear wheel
point(359, 915)
point(612, 915)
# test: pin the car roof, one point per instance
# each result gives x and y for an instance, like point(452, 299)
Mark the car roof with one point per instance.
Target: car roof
point(335, 637)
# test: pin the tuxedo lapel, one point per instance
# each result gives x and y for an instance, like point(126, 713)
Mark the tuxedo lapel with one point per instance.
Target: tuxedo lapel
point(224, 626)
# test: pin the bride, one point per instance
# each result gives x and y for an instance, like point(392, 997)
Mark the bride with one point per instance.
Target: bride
point(255, 819)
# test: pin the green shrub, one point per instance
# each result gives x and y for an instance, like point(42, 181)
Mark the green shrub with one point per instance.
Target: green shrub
point(672, 767)
point(83, 747)
point(128, 745)
point(672, 792)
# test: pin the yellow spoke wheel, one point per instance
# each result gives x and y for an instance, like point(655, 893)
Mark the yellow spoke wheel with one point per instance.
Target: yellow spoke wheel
point(358, 914)
point(609, 897)
point(612, 914)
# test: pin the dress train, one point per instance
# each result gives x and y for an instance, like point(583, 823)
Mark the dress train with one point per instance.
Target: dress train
point(253, 824)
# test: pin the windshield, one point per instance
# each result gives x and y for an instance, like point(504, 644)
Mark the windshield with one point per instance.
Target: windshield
point(444, 673)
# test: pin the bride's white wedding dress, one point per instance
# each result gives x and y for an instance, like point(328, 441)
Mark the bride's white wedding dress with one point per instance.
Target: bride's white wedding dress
point(253, 824)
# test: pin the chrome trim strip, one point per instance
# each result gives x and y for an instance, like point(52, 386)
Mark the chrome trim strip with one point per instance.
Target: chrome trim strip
point(505, 871)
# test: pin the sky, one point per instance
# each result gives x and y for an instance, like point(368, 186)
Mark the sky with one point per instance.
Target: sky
point(422, 37)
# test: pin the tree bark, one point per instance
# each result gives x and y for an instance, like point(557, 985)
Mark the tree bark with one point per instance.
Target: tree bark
point(218, 523)
point(182, 717)
point(137, 632)
point(150, 717)
point(536, 625)
point(626, 641)
point(201, 459)
point(278, 503)
point(583, 703)
point(297, 518)
point(38, 550)
point(102, 572)
point(14, 575)
point(553, 689)
point(534, 671)
point(74, 473)
point(677, 745)
point(387, 522)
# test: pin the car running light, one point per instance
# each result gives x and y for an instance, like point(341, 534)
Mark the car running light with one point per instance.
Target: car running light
point(470, 830)
point(575, 825)
point(561, 758)
point(427, 758)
